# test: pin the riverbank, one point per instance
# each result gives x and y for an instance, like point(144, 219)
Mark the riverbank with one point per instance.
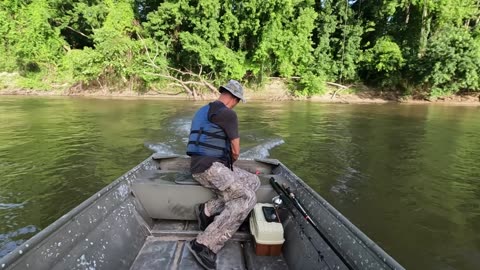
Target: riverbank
point(275, 90)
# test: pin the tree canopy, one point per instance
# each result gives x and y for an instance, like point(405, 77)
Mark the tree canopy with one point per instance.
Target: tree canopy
point(429, 46)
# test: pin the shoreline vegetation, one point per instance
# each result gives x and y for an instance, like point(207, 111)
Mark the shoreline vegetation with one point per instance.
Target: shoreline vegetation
point(275, 90)
point(330, 51)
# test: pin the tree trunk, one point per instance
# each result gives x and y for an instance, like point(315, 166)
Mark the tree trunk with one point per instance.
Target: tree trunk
point(407, 18)
point(425, 30)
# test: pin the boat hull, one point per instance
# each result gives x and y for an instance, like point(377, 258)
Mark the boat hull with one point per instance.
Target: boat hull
point(143, 219)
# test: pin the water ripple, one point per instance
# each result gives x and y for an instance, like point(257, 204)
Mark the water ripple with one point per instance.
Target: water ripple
point(11, 240)
point(4, 206)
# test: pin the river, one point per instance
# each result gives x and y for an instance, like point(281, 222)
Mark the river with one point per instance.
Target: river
point(407, 175)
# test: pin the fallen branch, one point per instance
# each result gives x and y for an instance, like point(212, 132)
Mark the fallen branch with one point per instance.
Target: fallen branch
point(179, 82)
point(338, 85)
point(198, 76)
point(177, 75)
point(340, 88)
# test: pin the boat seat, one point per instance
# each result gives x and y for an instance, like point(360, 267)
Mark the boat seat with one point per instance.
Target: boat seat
point(173, 194)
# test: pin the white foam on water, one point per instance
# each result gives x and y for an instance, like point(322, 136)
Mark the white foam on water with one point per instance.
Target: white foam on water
point(177, 138)
point(261, 150)
point(11, 205)
point(160, 148)
point(179, 130)
point(181, 127)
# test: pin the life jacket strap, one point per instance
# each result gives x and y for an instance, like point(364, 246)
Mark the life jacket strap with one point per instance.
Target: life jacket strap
point(213, 135)
point(206, 145)
point(198, 136)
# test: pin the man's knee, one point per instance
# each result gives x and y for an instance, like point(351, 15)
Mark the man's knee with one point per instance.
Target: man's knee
point(244, 193)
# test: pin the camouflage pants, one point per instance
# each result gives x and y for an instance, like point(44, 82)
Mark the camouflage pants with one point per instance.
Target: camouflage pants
point(235, 198)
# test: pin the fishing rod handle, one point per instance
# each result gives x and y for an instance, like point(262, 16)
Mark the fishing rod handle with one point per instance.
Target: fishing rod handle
point(275, 186)
point(309, 220)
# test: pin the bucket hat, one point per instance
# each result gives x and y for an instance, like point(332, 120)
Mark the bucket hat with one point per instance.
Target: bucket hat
point(234, 88)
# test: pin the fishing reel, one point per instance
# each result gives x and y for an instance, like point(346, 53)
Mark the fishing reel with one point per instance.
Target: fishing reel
point(277, 201)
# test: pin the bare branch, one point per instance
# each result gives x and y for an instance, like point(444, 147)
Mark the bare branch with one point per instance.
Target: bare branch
point(199, 77)
point(337, 85)
point(78, 32)
point(180, 82)
point(178, 71)
point(340, 88)
point(147, 51)
point(176, 75)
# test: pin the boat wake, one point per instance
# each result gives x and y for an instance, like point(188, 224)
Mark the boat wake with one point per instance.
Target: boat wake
point(160, 148)
point(179, 129)
point(261, 150)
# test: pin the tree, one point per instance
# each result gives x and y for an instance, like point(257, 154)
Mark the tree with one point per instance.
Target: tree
point(451, 62)
point(37, 43)
point(145, 44)
point(383, 62)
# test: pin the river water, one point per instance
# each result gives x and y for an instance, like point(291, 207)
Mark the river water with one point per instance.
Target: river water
point(407, 175)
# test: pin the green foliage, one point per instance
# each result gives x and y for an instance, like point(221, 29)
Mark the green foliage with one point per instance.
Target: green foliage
point(82, 65)
point(425, 44)
point(383, 62)
point(197, 36)
point(78, 19)
point(287, 41)
point(33, 81)
point(311, 84)
point(385, 56)
point(37, 44)
point(451, 62)
point(8, 62)
point(338, 41)
point(164, 24)
point(454, 12)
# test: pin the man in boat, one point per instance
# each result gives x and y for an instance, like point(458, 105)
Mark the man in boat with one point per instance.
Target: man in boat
point(214, 145)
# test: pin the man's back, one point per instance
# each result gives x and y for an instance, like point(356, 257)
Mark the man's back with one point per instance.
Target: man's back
point(226, 119)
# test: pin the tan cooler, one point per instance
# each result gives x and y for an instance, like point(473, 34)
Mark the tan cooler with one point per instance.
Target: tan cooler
point(267, 230)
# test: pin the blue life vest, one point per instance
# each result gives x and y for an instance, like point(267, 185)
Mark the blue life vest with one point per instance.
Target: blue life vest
point(207, 138)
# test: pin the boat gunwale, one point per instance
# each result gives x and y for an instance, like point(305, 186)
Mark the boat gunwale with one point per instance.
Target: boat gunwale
point(12, 258)
point(377, 250)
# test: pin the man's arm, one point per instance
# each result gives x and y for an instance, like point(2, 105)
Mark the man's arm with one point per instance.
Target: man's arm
point(235, 149)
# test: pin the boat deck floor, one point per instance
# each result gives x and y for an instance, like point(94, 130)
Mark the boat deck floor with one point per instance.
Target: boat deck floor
point(166, 249)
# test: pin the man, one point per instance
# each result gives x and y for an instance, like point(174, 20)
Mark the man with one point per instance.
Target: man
point(214, 145)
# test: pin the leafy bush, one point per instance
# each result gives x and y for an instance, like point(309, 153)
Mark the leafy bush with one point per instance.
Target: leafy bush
point(451, 62)
point(311, 84)
point(383, 62)
point(82, 65)
point(415, 45)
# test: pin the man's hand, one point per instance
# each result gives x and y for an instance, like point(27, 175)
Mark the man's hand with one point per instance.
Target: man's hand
point(235, 149)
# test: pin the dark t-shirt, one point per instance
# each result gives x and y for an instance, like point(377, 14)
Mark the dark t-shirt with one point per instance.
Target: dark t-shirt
point(228, 121)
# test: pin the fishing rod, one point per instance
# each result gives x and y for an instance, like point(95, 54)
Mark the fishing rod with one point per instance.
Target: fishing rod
point(290, 196)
